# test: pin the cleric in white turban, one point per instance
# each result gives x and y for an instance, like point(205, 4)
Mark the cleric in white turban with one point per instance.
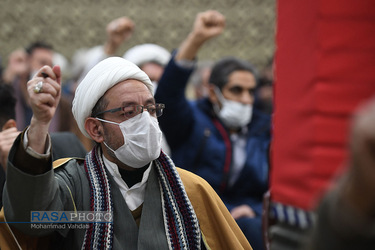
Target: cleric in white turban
point(131, 191)
point(148, 52)
point(151, 58)
point(100, 78)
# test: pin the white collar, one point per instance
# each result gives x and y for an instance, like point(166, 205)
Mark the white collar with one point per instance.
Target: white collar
point(133, 196)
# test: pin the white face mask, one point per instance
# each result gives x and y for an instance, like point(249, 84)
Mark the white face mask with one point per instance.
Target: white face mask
point(233, 114)
point(142, 140)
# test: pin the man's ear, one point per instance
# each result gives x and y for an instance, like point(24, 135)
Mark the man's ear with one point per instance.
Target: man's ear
point(9, 124)
point(95, 129)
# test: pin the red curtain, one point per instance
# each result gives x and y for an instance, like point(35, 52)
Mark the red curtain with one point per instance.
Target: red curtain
point(324, 67)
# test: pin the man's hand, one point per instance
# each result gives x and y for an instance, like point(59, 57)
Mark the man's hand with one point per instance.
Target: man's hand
point(7, 138)
point(207, 25)
point(242, 211)
point(43, 104)
point(118, 31)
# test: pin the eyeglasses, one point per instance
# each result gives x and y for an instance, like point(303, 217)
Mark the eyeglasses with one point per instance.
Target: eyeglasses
point(132, 110)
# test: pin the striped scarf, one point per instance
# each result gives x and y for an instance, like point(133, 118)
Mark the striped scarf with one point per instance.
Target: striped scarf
point(181, 223)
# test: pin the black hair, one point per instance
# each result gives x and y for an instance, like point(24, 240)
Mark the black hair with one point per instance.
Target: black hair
point(7, 103)
point(38, 45)
point(226, 66)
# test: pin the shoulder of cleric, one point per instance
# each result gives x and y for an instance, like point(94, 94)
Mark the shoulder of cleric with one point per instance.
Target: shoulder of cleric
point(60, 162)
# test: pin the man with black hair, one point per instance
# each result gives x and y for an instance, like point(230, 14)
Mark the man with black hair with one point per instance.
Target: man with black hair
point(221, 138)
point(23, 62)
point(38, 54)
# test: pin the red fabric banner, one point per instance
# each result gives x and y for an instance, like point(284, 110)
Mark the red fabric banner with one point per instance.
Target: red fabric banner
point(324, 67)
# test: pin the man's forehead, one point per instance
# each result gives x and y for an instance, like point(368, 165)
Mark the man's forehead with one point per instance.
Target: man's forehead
point(41, 51)
point(244, 79)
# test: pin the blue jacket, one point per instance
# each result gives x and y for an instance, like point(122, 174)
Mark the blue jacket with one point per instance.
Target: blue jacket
point(200, 143)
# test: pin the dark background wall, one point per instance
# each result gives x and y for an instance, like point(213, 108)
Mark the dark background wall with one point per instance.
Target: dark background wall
point(71, 24)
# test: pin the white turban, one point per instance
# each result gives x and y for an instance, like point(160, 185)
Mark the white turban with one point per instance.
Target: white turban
point(98, 80)
point(148, 52)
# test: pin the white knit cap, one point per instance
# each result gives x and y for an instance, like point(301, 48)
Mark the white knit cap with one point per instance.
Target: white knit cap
point(147, 52)
point(98, 80)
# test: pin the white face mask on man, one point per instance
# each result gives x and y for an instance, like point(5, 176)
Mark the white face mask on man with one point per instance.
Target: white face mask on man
point(233, 114)
point(142, 140)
